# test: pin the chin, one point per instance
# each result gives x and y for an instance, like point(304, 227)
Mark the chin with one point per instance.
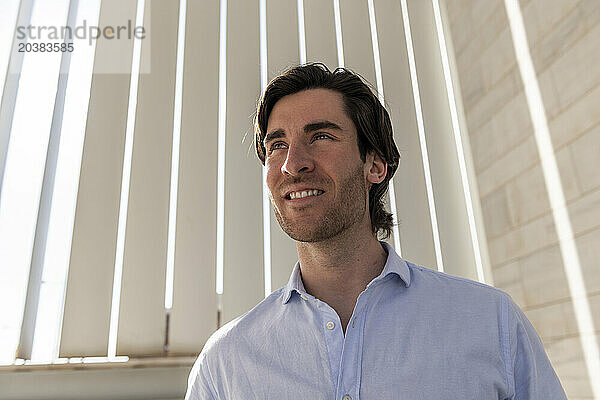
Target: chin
point(301, 234)
point(310, 233)
point(305, 237)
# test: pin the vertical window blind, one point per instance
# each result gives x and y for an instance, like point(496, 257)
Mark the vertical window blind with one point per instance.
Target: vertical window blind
point(112, 299)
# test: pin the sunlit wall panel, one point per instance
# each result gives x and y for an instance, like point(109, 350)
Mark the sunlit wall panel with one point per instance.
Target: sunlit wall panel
point(141, 329)
point(320, 32)
point(194, 312)
point(282, 52)
point(243, 275)
point(455, 237)
point(414, 222)
point(91, 269)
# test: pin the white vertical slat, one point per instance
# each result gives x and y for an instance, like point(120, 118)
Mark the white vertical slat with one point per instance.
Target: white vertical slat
point(282, 52)
point(142, 317)
point(243, 272)
point(282, 36)
point(43, 218)
point(452, 215)
point(89, 285)
point(8, 19)
point(358, 50)
point(10, 82)
point(356, 33)
point(194, 313)
point(320, 32)
point(409, 181)
point(467, 169)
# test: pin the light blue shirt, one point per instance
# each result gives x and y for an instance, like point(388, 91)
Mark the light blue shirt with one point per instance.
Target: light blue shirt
point(415, 333)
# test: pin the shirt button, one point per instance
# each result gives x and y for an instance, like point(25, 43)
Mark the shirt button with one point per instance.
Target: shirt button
point(304, 297)
point(347, 397)
point(330, 325)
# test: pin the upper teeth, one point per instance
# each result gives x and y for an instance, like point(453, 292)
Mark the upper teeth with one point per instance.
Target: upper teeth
point(305, 193)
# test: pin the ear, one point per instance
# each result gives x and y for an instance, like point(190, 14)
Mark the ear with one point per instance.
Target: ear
point(375, 167)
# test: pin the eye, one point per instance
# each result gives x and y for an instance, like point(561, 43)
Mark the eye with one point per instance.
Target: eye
point(321, 136)
point(276, 145)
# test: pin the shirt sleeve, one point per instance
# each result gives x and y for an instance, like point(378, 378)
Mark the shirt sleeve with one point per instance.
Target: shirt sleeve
point(199, 382)
point(533, 375)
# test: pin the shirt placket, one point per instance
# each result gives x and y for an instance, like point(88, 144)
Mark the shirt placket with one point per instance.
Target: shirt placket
point(348, 382)
point(333, 336)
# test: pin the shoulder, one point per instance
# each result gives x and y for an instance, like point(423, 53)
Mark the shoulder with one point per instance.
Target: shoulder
point(243, 328)
point(454, 287)
point(206, 377)
point(460, 299)
point(479, 309)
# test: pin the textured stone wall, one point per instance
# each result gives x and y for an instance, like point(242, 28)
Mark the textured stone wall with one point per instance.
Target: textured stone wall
point(564, 40)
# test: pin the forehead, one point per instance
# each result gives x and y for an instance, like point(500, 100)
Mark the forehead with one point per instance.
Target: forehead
point(307, 106)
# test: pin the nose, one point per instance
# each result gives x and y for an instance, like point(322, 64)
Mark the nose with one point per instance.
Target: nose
point(298, 160)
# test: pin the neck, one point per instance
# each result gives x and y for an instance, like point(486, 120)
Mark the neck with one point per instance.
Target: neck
point(337, 270)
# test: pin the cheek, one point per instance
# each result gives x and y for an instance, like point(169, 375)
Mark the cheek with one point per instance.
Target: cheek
point(273, 172)
point(338, 164)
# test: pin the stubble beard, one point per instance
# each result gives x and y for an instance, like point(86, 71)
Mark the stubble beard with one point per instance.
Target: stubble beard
point(348, 209)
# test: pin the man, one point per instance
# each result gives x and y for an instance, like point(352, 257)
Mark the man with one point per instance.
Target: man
point(355, 321)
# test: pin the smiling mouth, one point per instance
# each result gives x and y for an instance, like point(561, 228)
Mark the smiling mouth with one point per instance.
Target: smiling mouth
point(304, 193)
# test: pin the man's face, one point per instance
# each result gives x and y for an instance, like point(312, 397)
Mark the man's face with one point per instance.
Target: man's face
point(311, 145)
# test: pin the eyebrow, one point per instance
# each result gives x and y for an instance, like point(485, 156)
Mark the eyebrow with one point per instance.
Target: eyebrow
point(313, 126)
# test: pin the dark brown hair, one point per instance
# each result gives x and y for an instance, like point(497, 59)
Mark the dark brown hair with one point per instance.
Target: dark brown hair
point(372, 122)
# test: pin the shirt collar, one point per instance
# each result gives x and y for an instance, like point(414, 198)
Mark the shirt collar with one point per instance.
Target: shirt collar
point(393, 265)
